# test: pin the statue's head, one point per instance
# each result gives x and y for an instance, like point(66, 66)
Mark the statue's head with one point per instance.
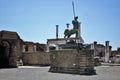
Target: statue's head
point(76, 17)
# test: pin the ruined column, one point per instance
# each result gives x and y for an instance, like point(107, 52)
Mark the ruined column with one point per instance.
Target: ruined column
point(47, 47)
point(79, 30)
point(23, 48)
point(13, 56)
point(110, 50)
point(57, 46)
point(107, 51)
point(34, 48)
point(57, 31)
point(95, 48)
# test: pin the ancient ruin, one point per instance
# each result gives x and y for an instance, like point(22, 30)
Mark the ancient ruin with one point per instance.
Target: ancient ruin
point(10, 49)
point(67, 54)
point(70, 56)
point(35, 54)
point(15, 52)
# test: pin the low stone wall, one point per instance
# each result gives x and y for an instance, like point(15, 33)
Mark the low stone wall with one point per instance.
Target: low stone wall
point(72, 61)
point(36, 58)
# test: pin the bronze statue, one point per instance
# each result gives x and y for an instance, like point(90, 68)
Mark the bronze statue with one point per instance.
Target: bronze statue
point(68, 32)
point(75, 23)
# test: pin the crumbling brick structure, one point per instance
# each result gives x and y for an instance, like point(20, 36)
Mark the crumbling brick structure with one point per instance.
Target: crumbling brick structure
point(10, 49)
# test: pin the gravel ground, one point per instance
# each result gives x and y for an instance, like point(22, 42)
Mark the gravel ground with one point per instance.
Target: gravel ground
point(41, 73)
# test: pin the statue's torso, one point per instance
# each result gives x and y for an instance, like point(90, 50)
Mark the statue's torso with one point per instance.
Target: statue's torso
point(75, 24)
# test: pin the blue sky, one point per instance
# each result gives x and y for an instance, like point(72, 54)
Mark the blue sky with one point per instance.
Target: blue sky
point(35, 20)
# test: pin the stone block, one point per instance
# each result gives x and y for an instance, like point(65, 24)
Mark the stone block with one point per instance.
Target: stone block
point(72, 61)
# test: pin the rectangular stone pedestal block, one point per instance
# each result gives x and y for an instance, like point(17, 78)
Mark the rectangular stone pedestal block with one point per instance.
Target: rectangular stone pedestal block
point(72, 61)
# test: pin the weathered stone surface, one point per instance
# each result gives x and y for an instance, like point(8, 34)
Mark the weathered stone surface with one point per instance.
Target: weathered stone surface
point(41, 73)
point(10, 49)
point(36, 58)
point(72, 61)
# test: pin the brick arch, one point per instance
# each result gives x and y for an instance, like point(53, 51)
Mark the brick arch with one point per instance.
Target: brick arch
point(5, 52)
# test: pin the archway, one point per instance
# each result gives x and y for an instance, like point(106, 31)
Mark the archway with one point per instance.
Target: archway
point(4, 54)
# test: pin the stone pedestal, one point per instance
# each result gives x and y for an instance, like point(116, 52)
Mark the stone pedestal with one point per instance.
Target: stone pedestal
point(72, 61)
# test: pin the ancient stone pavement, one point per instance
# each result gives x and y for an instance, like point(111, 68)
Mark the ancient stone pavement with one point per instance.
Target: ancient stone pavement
point(41, 73)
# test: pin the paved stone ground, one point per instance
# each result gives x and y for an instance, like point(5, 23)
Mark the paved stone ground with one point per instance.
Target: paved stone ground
point(41, 73)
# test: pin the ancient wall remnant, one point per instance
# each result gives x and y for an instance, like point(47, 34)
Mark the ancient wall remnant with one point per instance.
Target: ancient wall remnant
point(10, 49)
point(36, 58)
point(33, 47)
